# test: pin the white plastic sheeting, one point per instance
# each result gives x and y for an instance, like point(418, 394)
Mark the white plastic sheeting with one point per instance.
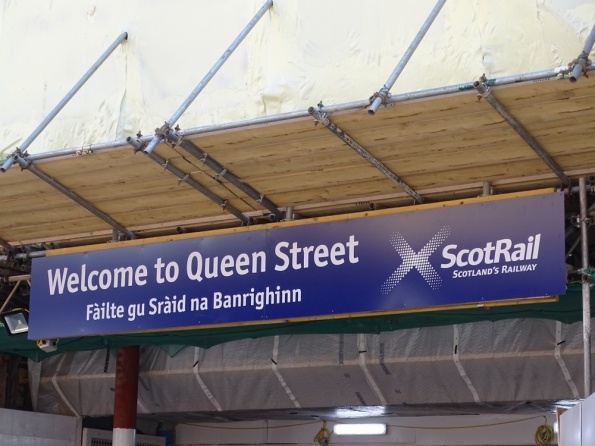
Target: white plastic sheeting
point(509, 361)
point(301, 52)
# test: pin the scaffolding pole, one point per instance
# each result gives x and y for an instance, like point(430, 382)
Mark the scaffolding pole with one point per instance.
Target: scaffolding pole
point(222, 172)
point(486, 93)
point(182, 108)
point(587, 279)
point(581, 64)
point(26, 164)
point(558, 72)
point(186, 178)
point(323, 119)
point(25, 145)
point(381, 97)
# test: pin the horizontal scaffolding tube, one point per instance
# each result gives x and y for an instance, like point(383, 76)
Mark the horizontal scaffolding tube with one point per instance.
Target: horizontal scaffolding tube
point(23, 147)
point(384, 91)
point(23, 256)
point(485, 91)
point(28, 165)
point(222, 172)
point(302, 114)
point(203, 83)
point(322, 118)
point(183, 176)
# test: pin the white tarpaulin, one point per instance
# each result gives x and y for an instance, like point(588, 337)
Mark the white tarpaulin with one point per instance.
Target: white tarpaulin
point(494, 364)
point(300, 53)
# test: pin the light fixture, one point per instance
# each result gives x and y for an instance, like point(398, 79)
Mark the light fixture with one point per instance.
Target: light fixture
point(16, 321)
point(360, 429)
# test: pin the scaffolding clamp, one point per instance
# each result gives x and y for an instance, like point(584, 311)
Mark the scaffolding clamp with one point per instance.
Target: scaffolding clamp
point(220, 174)
point(184, 178)
point(383, 94)
point(582, 60)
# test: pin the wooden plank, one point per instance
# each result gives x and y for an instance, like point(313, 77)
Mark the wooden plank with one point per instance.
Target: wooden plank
point(514, 97)
point(183, 211)
point(63, 231)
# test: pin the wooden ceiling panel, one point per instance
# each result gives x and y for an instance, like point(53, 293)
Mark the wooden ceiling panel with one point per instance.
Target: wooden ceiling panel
point(440, 146)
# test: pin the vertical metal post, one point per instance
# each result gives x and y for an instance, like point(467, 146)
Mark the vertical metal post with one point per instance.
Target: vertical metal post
point(182, 108)
point(72, 92)
point(126, 395)
point(582, 60)
point(383, 93)
point(288, 213)
point(487, 189)
point(586, 286)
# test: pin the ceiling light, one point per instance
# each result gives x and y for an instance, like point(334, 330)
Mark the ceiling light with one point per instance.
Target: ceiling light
point(16, 322)
point(360, 429)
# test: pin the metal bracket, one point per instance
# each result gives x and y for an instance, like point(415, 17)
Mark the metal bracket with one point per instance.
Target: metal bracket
point(84, 151)
point(165, 164)
point(577, 220)
point(584, 61)
point(180, 180)
point(160, 131)
point(220, 174)
point(223, 205)
point(384, 96)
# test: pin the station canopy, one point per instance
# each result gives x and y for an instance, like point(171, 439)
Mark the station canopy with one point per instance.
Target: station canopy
point(443, 147)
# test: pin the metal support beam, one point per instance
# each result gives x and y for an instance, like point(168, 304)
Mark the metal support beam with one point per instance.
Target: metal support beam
point(581, 63)
point(486, 93)
point(28, 165)
point(550, 73)
point(222, 172)
point(23, 147)
point(23, 256)
point(185, 177)
point(487, 189)
point(6, 245)
point(322, 118)
point(12, 293)
point(381, 97)
point(156, 139)
point(586, 285)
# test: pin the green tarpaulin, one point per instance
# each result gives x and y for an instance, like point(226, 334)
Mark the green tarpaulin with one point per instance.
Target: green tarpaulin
point(568, 310)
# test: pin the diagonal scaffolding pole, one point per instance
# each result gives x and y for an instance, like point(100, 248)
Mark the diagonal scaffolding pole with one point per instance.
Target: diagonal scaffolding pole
point(381, 97)
point(185, 177)
point(581, 63)
point(25, 145)
point(322, 118)
point(182, 108)
point(28, 165)
point(6, 245)
point(587, 278)
point(222, 172)
point(486, 92)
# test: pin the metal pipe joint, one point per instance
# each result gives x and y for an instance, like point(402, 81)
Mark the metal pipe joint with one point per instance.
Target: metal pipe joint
point(136, 144)
point(172, 136)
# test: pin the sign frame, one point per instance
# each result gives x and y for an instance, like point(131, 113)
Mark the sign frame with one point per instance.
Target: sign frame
point(312, 221)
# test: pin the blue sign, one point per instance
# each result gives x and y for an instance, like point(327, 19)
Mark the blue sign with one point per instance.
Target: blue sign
point(393, 260)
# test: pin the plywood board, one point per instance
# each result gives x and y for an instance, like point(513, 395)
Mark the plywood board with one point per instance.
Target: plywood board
point(445, 146)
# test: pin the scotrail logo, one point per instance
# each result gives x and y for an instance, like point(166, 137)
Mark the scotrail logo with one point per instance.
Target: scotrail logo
point(416, 260)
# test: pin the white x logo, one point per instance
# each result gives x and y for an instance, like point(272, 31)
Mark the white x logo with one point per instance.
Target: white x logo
point(418, 260)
